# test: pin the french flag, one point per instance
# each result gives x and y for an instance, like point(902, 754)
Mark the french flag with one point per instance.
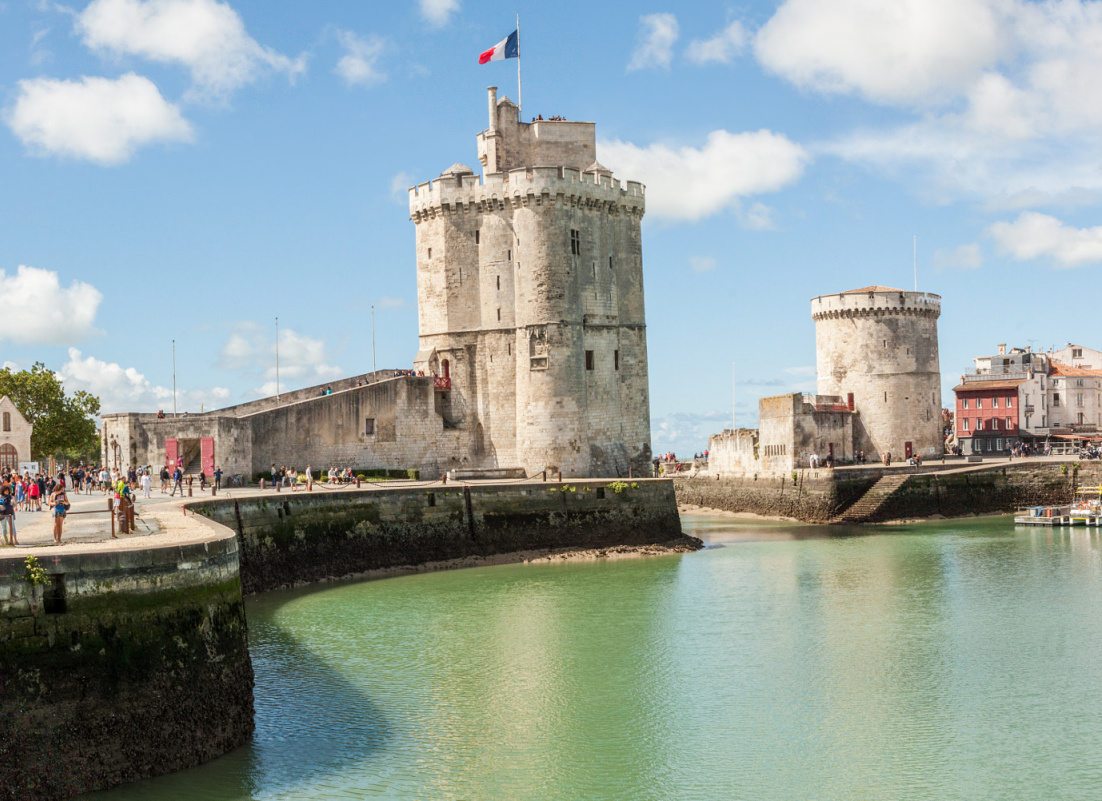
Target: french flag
point(509, 47)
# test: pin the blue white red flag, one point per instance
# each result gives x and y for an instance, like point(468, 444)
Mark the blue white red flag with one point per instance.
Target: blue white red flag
point(509, 47)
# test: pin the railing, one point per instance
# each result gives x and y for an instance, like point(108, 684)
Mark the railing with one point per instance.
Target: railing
point(441, 382)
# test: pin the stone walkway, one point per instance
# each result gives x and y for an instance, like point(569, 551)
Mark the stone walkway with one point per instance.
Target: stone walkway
point(160, 520)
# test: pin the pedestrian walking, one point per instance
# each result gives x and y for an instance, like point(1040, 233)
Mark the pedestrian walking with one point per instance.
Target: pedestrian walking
point(147, 484)
point(59, 502)
point(7, 516)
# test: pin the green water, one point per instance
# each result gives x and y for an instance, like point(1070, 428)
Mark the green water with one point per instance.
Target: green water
point(937, 661)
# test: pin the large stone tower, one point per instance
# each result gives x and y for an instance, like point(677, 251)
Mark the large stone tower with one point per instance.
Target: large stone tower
point(530, 301)
point(877, 349)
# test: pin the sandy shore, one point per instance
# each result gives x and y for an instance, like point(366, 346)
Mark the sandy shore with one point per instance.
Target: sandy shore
point(689, 509)
point(685, 544)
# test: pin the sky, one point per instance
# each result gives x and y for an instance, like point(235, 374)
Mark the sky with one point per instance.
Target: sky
point(190, 170)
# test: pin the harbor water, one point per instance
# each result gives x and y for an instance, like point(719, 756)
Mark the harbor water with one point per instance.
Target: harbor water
point(947, 660)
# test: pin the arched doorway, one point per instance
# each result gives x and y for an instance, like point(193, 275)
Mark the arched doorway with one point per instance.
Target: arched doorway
point(447, 369)
point(9, 457)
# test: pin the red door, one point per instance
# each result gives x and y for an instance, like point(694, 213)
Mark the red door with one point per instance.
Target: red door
point(907, 449)
point(171, 452)
point(206, 445)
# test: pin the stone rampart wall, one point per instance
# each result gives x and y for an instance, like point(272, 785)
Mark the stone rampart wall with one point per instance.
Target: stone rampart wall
point(817, 496)
point(810, 498)
point(129, 665)
point(289, 539)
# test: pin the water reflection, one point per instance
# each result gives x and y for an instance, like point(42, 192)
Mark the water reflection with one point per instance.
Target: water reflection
point(933, 661)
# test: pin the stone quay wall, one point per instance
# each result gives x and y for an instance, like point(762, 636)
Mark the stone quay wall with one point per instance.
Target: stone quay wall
point(817, 496)
point(126, 665)
point(289, 539)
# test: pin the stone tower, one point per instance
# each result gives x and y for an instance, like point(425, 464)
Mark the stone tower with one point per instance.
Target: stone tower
point(530, 301)
point(877, 349)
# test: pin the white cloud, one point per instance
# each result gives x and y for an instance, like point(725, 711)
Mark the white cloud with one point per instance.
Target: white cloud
point(689, 183)
point(10, 366)
point(1007, 101)
point(721, 48)
point(392, 303)
point(96, 119)
point(758, 217)
point(1033, 235)
point(250, 349)
point(657, 34)
point(900, 51)
point(359, 64)
point(206, 36)
point(702, 264)
point(400, 184)
point(438, 12)
point(965, 257)
point(37, 310)
point(124, 389)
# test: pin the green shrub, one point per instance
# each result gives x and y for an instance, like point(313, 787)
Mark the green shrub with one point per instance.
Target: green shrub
point(618, 486)
point(34, 573)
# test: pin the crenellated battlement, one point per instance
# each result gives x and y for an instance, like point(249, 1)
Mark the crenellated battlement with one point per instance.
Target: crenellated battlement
point(874, 302)
point(492, 191)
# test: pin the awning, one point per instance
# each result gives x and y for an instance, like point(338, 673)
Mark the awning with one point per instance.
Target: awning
point(423, 358)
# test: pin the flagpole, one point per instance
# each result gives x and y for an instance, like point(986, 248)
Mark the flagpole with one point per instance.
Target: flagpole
point(520, 102)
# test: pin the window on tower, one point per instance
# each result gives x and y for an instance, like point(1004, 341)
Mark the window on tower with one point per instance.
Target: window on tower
point(575, 242)
point(589, 360)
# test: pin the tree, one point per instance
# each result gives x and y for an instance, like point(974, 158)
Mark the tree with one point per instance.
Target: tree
point(63, 424)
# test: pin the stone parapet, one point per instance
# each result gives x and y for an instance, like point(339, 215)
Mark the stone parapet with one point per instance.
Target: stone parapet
point(873, 304)
point(521, 186)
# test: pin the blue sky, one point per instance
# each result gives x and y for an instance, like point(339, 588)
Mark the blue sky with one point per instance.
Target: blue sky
point(192, 169)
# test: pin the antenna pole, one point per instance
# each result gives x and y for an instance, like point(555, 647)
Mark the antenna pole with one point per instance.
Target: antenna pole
point(277, 360)
point(520, 101)
point(916, 264)
point(374, 368)
point(174, 378)
point(734, 425)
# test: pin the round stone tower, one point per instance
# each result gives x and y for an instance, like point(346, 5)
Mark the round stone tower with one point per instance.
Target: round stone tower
point(876, 348)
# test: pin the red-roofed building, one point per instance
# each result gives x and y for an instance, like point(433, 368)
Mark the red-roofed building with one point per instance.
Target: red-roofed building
point(1019, 396)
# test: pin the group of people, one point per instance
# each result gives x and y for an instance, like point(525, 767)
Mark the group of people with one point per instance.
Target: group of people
point(552, 118)
point(289, 477)
point(27, 493)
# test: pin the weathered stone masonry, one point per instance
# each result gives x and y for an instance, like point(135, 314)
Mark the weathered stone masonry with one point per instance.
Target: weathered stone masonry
point(133, 664)
point(291, 539)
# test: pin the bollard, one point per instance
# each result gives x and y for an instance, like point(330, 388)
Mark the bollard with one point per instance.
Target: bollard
point(629, 472)
point(278, 483)
point(357, 482)
point(444, 479)
point(189, 489)
point(262, 483)
point(213, 490)
point(560, 476)
point(130, 513)
point(111, 514)
point(123, 528)
point(544, 475)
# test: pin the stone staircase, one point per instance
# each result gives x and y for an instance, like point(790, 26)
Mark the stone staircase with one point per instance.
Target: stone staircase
point(866, 507)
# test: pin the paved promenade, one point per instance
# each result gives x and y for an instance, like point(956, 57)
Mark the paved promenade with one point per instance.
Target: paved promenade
point(160, 520)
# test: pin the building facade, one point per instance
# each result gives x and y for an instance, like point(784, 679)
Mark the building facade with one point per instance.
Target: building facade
point(15, 436)
point(1016, 396)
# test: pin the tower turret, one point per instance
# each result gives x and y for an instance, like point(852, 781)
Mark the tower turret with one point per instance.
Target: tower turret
point(877, 349)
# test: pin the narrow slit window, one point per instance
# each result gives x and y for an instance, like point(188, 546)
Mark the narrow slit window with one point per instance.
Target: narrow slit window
point(616, 359)
point(476, 237)
point(589, 360)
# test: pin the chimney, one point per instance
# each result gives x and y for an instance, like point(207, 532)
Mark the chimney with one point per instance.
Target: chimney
point(493, 108)
point(1002, 349)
